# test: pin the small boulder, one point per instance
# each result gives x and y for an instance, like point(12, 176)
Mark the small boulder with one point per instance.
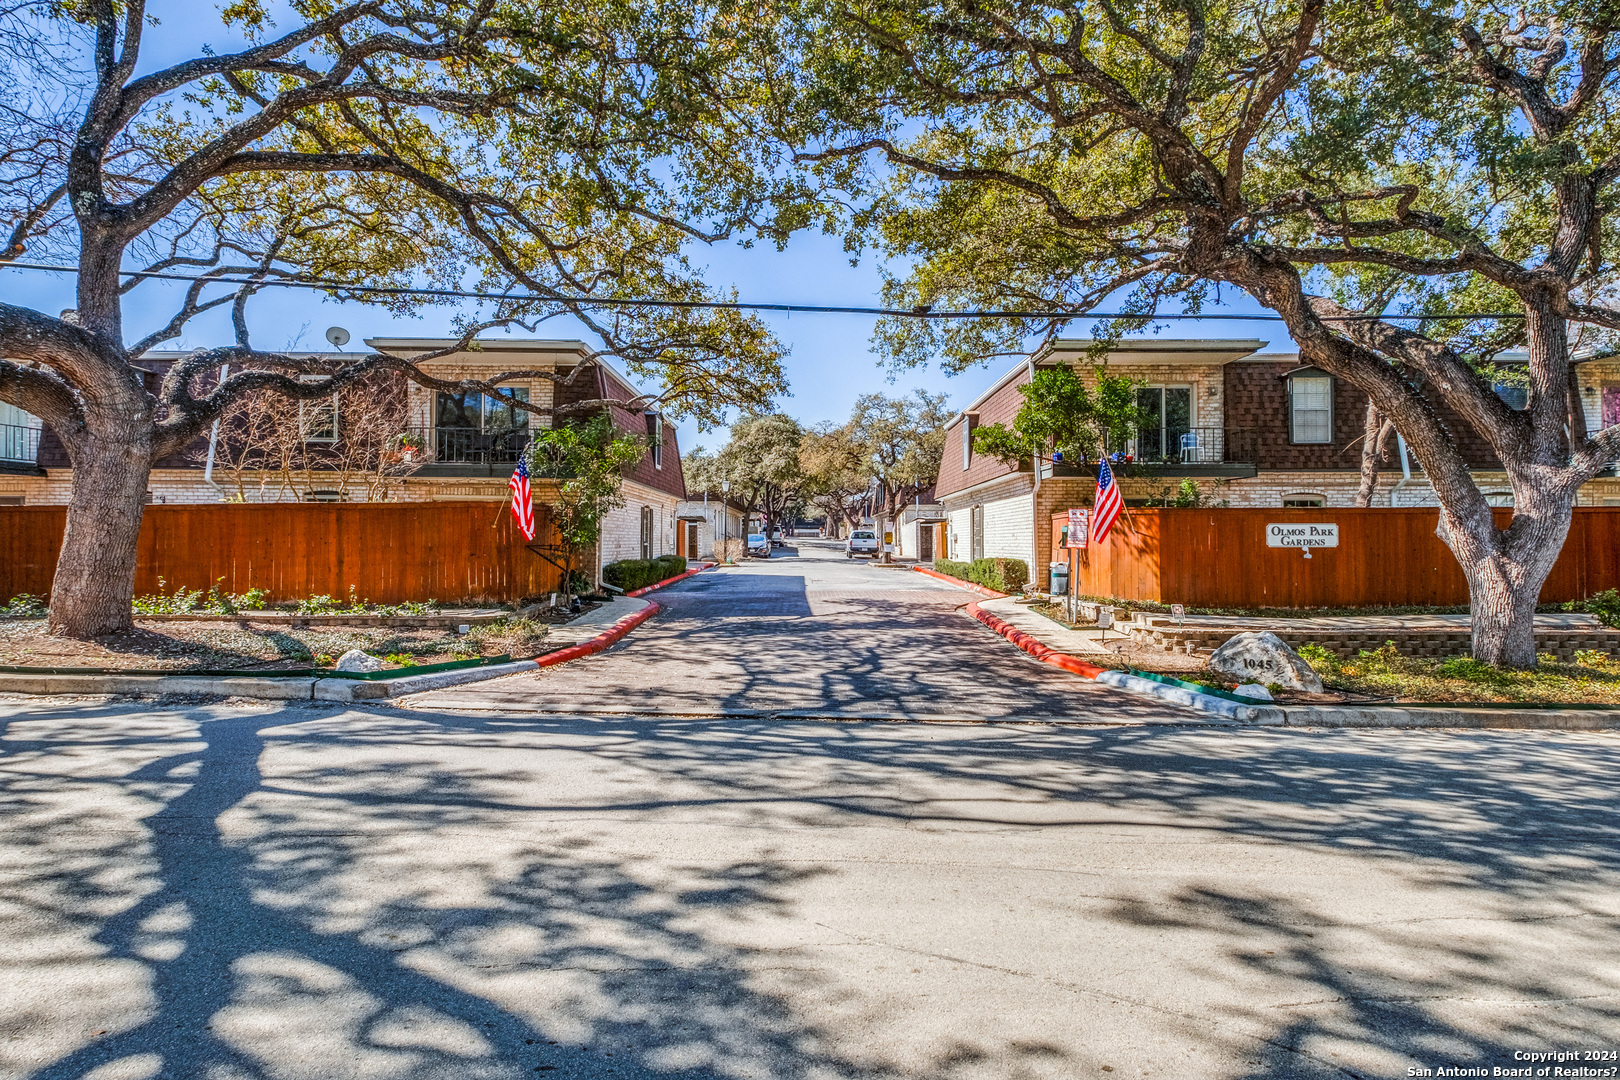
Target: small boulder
point(355, 660)
point(1254, 690)
point(1266, 657)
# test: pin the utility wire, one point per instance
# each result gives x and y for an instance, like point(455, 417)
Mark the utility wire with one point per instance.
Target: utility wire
point(738, 305)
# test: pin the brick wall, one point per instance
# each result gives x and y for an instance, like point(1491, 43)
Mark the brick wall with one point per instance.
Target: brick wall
point(1000, 408)
point(1256, 399)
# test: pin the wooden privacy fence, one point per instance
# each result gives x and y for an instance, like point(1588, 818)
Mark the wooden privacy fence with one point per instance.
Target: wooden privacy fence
point(1219, 558)
point(389, 552)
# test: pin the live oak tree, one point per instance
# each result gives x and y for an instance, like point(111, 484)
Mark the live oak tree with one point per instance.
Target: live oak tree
point(761, 460)
point(565, 152)
point(1351, 166)
point(836, 481)
point(901, 440)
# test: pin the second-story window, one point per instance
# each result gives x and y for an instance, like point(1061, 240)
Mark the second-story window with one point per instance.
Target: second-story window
point(655, 439)
point(480, 428)
point(1310, 407)
point(19, 435)
point(318, 418)
point(1166, 422)
point(967, 441)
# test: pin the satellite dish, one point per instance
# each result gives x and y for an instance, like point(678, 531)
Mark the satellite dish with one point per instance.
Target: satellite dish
point(337, 336)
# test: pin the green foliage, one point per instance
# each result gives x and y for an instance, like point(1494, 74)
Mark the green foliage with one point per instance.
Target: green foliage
point(183, 601)
point(1386, 672)
point(1002, 575)
point(1605, 605)
point(321, 604)
point(400, 659)
point(593, 454)
point(1060, 413)
point(633, 574)
point(24, 606)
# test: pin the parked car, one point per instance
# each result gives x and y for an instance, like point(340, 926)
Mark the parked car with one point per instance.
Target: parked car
point(863, 542)
point(757, 546)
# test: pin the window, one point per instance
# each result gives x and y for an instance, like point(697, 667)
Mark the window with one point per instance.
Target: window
point(1499, 498)
point(1517, 397)
point(1303, 500)
point(1310, 399)
point(655, 438)
point(966, 427)
point(323, 495)
point(474, 427)
point(646, 532)
point(1166, 413)
point(317, 419)
point(19, 434)
point(13, 500)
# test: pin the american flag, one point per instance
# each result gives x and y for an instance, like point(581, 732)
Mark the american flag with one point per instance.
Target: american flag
point(1107, 505)
point(522, 500)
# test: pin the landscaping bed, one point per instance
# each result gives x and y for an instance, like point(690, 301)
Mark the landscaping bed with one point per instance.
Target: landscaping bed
point(258, 646)
point(1385, 675)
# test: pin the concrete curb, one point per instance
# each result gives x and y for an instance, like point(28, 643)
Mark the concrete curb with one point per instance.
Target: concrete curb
point(1119, 680)
point(1333, 716)
point(316, 689)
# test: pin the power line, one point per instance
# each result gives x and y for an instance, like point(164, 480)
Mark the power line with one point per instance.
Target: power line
point(738, 305)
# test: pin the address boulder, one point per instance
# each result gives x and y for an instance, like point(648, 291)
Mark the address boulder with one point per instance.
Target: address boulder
point(1267, 658)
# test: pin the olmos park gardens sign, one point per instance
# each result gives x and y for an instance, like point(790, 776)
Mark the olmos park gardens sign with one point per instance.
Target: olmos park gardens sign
point(1302, 535)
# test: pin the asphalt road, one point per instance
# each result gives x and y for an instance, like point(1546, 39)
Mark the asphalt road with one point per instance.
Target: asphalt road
point(809, 632)
point(232, 891)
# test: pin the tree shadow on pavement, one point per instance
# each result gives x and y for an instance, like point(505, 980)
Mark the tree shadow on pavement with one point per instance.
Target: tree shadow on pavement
point(326, 917)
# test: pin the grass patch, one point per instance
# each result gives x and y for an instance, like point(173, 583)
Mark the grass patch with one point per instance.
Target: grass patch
point(1593, 679)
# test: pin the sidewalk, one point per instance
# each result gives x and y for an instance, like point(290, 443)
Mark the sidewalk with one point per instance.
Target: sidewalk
point(1047, 632)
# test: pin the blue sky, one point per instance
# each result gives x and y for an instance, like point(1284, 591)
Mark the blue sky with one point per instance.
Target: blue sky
point(831, 362)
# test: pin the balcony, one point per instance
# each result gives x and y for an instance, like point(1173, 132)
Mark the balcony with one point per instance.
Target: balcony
point(19, 449)
point(467, 451)
point(1199, 451)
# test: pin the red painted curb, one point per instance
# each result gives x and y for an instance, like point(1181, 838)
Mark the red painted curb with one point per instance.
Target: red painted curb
point(602, 640)
point(670, 581)
point(1044, 653)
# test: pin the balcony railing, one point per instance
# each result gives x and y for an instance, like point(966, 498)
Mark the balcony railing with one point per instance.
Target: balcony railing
point(1196, 446)
point(19, 444)
point(470, 446)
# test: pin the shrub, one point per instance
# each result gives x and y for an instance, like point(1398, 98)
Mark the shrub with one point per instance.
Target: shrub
point(728, 551)
point(633, 574)
point(1322, 661)
point(1002, 575)
point(1605, 605)
point(24, 606)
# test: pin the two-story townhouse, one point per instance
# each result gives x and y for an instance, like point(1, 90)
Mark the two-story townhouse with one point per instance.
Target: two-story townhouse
point(1249, 428)
point(450, 446)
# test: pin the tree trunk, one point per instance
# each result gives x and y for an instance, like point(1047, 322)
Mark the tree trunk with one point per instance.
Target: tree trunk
point(95, 573)
point(1371, 453)
point(1506, 570)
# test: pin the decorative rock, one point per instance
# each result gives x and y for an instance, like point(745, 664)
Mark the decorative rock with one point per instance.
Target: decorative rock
point(1266, 657)
point(1254, 690)
point(355, 660)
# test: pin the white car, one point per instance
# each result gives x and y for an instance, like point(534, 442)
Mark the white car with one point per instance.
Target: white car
point(862, 542)
point(757, 546)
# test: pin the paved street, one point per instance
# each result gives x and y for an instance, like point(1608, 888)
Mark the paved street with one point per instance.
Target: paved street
point(811, 632)
point(290, 893)
point(471, 888)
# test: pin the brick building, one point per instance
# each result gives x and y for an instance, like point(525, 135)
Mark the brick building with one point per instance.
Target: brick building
point(1249, 428)
point(449, 446)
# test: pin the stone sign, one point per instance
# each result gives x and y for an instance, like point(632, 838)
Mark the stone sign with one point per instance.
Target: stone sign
point(1267, 658)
